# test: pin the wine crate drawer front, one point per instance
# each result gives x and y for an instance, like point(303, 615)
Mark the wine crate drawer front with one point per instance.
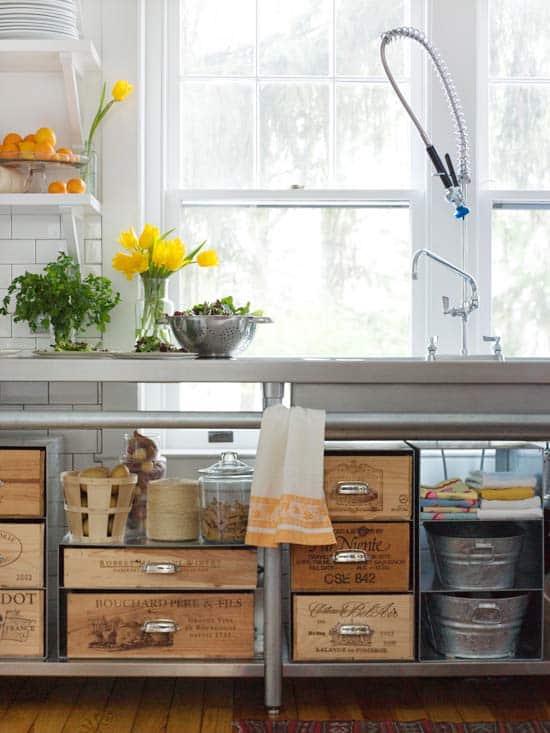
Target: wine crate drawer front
point(361, 487)
point(21, 555)
point(22, 482)
point(151, 625)
point(21, 623)
point(353, 628)
point(98, 567)
point(367, 558)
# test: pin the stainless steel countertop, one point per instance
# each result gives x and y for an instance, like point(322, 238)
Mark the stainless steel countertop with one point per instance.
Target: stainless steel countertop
point(290, 370)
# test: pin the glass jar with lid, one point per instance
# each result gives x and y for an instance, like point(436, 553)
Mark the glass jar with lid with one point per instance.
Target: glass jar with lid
point(225, 497)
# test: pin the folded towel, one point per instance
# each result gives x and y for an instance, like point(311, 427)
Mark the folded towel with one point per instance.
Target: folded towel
point(445, 516)
point(500, 480)
point(287, 502)
point(534, 503)
point(449, 509)
point(450, 490)
point(519, 514)
point(448, 502)
point(512, 494)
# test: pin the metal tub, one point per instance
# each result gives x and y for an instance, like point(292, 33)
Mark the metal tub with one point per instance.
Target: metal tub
point(476, 628)
point(476, 556)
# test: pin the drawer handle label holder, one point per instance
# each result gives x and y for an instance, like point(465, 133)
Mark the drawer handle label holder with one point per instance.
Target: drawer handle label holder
point(355, 488)
point(159, 568)
point(345, 556)
point(354, 630)
point(487, 614)
point(482, 551)
point(160, 626)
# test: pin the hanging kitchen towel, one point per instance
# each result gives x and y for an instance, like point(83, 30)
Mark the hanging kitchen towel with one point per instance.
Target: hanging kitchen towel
point(288, 502)
point(500, 480)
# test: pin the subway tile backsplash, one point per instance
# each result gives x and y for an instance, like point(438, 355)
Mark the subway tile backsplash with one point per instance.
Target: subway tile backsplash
point(17, 251)
point(48, 249)
point(35, 226)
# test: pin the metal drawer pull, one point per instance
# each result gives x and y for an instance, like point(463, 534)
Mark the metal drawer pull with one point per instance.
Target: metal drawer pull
point(161, 626)
point(487, 613)
point(355, 630)
point(355, 489)
point(483, 551)
point(159, 568)
point(350, 556)
point(2, 482)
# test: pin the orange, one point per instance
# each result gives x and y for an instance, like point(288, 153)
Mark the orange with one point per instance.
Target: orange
point(10, 150)
point(26, 148)
point(29, 138)
point(45, 135)
point(64, 154)
point(76, 185)
point(44, 151)
point(57, 187)
point(12, 138)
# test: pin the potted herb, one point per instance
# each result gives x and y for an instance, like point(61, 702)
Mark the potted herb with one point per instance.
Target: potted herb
point(61, 300)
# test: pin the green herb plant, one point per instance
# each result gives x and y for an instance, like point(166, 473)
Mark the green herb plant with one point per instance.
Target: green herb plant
point(59, 298)
point(221, 307)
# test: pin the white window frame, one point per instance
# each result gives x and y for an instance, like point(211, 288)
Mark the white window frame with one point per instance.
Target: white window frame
point(458, 31)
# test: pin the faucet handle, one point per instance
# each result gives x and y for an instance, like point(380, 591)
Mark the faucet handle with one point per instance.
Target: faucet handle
point(496, 340)
point(445, 300)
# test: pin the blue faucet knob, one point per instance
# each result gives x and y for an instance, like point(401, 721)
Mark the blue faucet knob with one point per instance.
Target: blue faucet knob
point(461, 212)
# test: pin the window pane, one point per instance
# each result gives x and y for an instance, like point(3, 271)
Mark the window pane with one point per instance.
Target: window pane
point(216, 39)
point(294, 135)
point(518, 33)
point(359, 24)
point(519, 120)
point(293, 37)
point(372, 137)
point(326, 298)
point(217, 135)
point(521, 281)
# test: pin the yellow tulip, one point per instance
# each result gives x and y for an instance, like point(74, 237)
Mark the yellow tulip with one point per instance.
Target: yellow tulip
point(148, 236)
point(169, 254)
point(121, 90)
point(208, 258)
point(130, 264)
point(128, 239)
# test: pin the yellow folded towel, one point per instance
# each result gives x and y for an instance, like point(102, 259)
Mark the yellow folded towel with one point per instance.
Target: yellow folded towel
point(512, 494)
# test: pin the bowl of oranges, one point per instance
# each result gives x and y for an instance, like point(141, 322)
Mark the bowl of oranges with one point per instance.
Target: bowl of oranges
point(37, 152)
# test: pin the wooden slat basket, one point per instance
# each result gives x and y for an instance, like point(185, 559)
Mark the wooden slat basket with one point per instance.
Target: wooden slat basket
point(97, 508)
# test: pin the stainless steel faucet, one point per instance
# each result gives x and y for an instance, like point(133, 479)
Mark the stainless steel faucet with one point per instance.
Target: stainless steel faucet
point(468, 304)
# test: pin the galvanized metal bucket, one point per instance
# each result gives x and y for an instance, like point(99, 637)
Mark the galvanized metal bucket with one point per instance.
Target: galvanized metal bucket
point(484, 627)
point(476, 556)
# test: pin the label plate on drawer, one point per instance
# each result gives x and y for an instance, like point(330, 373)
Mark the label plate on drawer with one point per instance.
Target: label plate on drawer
point(21, 623)
point(367, 558)
point(362, 486)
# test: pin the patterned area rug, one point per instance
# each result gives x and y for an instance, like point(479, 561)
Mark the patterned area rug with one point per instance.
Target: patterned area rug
point(365, 726)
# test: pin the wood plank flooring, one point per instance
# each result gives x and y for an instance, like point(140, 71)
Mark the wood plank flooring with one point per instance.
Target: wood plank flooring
point(209, 706)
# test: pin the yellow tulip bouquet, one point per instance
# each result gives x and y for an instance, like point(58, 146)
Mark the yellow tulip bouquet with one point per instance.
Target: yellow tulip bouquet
point(155, 258)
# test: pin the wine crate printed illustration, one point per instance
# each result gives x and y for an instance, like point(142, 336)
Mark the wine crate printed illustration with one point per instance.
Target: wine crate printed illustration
point(150, 625)
point(21, 623)
point(367, 557)
point(189, 568)
point(353, 628)
point(21, 555)
point(361, 487)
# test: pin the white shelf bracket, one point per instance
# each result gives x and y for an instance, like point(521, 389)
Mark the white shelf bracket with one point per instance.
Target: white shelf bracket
point(68, 68)
point(69, 228)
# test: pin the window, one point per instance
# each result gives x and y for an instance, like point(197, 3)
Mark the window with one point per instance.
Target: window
point(518, 195)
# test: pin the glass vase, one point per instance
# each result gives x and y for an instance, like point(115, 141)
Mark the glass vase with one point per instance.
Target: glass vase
point(88, 171)
point(151, 309)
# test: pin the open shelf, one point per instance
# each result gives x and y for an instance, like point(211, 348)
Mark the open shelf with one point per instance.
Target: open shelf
point(47, 55)
point(48, 203)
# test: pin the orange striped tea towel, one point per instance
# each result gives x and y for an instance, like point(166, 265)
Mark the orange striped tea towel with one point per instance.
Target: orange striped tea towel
point(288, 502)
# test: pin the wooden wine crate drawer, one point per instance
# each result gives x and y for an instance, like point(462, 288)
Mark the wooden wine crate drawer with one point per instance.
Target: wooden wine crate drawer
point(22, 479)
point(150, 625)
point(21, 555)
point(353, 628)
point(21, 623)
point(362, 486)
point(189, 568)
point(367, 558)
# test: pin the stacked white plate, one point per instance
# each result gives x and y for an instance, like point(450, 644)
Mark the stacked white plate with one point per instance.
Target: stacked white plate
point(39, 19)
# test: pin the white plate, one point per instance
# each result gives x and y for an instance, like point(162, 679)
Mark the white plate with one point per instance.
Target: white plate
point(154, 355)
point(47, 354)
point(37, 34)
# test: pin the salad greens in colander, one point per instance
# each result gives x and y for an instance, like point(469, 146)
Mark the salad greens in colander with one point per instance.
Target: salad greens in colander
point(221, 307)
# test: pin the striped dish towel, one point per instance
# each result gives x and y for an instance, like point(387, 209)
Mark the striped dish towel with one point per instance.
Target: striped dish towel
point(288, 501)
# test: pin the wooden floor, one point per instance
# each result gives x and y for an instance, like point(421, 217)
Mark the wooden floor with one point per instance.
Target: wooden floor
point(193, 706)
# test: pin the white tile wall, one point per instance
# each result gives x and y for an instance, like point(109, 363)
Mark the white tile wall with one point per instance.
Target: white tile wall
point(48, 249)
point(17, 251)
point(5, 226)
point(35, 226)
